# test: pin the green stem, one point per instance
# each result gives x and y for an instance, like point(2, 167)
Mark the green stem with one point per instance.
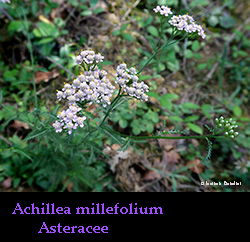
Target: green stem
point(166, 137)
point(31, 57)
point(161, 48)
point(117, 98)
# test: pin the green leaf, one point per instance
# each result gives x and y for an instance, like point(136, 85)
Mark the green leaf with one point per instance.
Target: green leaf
point(237, 111)
point(93, 3)
point(206, 108)
point(202, 66)
point(150, 127)
point(175, 118)
point(173, 65)
point(201, 3)
point(127, 36)
point(196, 45)
point(116, 32)
point(34, 7)
point(166, 103)
point(123, 27)
point(213, 21)
point(45, 40)
point(227, 22)
point(98, 10)
point(195, 128)
point(189, 54)
point(145, 77)
point(192, 118)
point(153, 94)
point(136, 130)
point(16, 26)
point(16, 182)
point(86, 13)
point(154, 117)
point(32, 136)
point(123, 123)
point(153, 30)
point(170, 96)
point(190, 105)
point(64, 51)
point(46, 30)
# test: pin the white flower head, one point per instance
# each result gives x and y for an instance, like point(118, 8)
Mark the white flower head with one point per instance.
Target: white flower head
point(188, 24)
point(163, 10)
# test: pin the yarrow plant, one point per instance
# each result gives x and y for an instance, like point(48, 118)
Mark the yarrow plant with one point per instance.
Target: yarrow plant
point(92, 86)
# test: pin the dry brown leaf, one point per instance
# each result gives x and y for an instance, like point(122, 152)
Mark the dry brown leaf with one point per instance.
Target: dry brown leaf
point(7, 183)
point(170, 157)
point(45, 76)
point(196, 166)
point(112, 18)
point(151, 175)
point(18, 125)
point(115, 147)
point(116, 156)
point(195, 142)
point(167, 144)
point(70, 187)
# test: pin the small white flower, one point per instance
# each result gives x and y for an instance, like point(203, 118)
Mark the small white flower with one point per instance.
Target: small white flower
point(78, 60)
point(58, 126)
point(242, 166)
point(76, 83)
point(163, 10)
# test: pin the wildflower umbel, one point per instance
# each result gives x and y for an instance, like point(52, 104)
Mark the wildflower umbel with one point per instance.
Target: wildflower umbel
point(163, 10)
point(227, 126)
point(69, 119)
point(89, 57)
point(127, 76)
point(188, 24)
point(5, 1)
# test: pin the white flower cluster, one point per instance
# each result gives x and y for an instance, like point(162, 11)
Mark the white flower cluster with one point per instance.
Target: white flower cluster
point(91, 86)
point(5, 1)
point(188, 24)
point(89, 57)
point(125, 76)
point(69, 119)
point(163, 10)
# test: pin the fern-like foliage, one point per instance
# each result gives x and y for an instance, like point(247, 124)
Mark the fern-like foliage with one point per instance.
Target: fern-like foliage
point(210, 129)
point(168, 132)
point(209, 152)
